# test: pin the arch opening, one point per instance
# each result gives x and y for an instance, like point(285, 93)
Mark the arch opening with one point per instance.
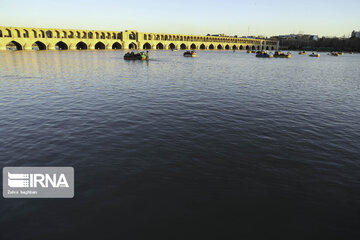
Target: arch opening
point(99, 45)
point(81, 46)
point(14, 46)
point(18, 33)
point(247, 48)
point(160, 46)
point(132, 46)
point(8, 33)
point(38, 46)
point(241, 47)
point(172, 46)
point(147, 46)
point(49, 34)
point(272, 48)
point(35, 35)
point(61, 46)
point(116, 46)
point(26, 33)
point(227, 47)
point(253, 47)
point(202, 47)
point(183, 46)
point(132, 36)
point(234, 47)
point(193, 46)
point(219, 47)
point(211, 47)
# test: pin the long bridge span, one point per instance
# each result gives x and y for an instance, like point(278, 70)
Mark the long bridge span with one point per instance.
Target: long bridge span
point(19, 38)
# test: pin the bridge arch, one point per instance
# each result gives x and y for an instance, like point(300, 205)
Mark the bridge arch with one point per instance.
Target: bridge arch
point(193, 46)
point(172, 46)
point(202, 47)
point(241, 47)
point(99, 45)
point(247, 47)
point(132, 46)
point(49, 34)
point(13, 45)
point(61, 46)
point(272, 48)
point(147, 46)
point(116, 45)
point(132, 36)
point(57, 34)
point(81, 46)
point(160, 46)
point(183, 46)
point(267, 48)
point(219, 47)
point(42, 34)
point(8, 31)
point(71, 34)
point(26, 33)
point(18, 33)
point(211, 47)
point(34, 33)
point(227, 47)
point(234, 47)
point(253, 47)
point(38, 46)
point(1, 33)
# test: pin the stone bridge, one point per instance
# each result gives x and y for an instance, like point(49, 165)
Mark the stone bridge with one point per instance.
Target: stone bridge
point(19, 38)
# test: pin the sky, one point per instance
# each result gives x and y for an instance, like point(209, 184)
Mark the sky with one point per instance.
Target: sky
point(242, 18)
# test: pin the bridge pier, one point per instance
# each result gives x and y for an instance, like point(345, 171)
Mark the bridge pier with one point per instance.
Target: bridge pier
point(27, 47)
point(51, 47)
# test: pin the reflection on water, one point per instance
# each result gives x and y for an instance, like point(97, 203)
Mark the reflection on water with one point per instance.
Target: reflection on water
point(221, 146)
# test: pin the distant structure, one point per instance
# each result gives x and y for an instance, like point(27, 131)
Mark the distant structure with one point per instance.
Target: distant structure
point(298, 37)
point(19, 38)
point(355, 34)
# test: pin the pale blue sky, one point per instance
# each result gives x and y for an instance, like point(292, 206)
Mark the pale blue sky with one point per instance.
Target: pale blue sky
point(323, 17)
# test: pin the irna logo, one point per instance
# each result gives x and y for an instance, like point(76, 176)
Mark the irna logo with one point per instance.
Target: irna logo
point(38, 182)
point(19, 180)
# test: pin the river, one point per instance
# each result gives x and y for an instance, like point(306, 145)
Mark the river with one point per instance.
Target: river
point(222, 146)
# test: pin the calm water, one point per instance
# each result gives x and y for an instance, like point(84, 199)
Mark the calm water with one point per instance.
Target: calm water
point(224, 146)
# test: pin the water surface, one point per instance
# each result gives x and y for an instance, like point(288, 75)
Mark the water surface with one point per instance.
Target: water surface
point(222, 146)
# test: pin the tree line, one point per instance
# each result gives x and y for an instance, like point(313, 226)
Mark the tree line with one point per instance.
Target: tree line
point(322, 44)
